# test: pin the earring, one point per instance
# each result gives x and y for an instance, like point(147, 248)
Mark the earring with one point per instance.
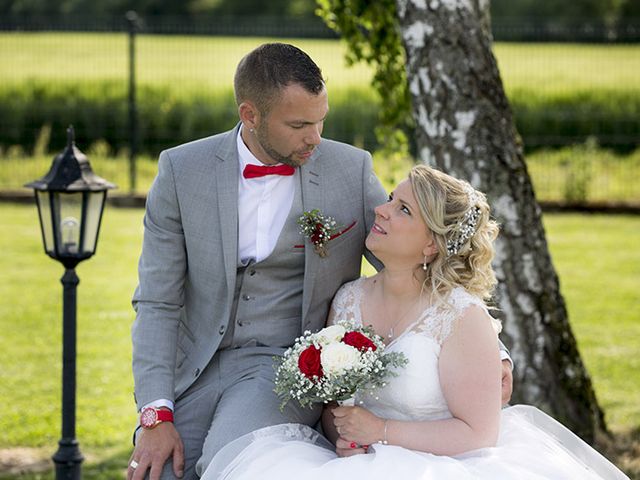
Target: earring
point(251, 130)
point(424, 264)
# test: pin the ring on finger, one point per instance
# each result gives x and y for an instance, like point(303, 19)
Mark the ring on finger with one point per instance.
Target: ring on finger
point(133, 464)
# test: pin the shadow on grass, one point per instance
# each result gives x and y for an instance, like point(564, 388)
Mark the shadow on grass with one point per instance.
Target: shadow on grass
point(107, 464)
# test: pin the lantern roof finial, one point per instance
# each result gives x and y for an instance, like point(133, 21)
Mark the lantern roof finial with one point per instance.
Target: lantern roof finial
point(71, 172)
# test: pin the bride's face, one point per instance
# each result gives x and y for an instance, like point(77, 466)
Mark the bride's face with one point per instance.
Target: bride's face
point(399, 234)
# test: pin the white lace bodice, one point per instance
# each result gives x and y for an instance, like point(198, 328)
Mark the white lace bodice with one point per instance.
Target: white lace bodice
point(415, 393)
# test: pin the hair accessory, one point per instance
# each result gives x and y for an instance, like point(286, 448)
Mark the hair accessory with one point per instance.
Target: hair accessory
point(466, 226)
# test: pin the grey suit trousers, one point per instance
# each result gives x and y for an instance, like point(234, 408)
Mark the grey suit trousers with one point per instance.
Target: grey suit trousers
point(233, 396)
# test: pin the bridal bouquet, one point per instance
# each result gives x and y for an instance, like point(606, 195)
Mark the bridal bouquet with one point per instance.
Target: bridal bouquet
point(333, 364)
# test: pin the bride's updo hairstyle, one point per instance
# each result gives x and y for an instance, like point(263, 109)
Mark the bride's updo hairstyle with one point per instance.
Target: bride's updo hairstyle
point(459, 219)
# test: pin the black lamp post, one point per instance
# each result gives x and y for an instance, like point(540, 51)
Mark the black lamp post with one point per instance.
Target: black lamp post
point(70, 201)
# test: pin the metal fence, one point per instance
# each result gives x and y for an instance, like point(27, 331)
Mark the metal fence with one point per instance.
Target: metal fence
point(584, 93)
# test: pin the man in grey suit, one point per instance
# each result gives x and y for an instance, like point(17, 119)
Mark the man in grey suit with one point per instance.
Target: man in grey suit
point(226, 280)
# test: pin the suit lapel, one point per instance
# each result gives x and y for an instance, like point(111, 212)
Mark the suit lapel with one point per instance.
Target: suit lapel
point(227, 191)
point(312, 198)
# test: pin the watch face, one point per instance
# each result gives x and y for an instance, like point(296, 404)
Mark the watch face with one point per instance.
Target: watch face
point(148, 417)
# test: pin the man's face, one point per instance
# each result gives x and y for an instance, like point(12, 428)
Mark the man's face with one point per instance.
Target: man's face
point(292, 128)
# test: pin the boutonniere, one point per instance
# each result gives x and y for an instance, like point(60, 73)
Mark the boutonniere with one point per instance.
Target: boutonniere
point(318, 228)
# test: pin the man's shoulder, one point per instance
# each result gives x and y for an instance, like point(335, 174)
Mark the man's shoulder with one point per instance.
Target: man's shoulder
point(201, 146)
point(328, 145)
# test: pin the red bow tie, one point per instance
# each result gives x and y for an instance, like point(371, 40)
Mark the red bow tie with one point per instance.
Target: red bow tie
point(255, 171)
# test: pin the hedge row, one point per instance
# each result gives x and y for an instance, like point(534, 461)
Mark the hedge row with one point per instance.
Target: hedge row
point(168, 116)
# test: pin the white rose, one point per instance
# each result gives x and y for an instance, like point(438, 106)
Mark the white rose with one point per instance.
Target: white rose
point(330, 334)
point(337, 357)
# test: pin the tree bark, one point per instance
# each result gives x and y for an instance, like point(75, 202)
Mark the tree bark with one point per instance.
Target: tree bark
point(464, 126)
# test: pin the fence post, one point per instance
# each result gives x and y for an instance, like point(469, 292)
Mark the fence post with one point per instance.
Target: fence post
point(132, 19)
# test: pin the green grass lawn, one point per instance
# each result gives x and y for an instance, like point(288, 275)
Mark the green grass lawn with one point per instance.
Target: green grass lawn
point(584, 173)
point(596, 256)
point(211, 61)
point(598, 261)
point(572, 173)
point(204, 61)
point(30, 345)
point(185, 64)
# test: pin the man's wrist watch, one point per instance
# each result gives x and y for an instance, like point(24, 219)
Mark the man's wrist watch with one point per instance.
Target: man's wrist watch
point(152, 416)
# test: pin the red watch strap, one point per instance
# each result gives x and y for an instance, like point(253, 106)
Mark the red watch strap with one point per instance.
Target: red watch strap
point(165, 415)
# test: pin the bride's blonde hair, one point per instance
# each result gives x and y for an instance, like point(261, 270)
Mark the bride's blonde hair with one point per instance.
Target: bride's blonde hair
point(458, 217)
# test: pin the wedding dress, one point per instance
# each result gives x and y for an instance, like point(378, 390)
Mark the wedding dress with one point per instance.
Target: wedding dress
point(531, 445)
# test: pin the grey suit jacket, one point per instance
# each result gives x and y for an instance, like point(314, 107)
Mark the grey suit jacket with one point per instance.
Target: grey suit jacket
point(187, 269)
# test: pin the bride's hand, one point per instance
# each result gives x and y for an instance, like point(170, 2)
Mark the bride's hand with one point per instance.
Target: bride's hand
point(357, 425)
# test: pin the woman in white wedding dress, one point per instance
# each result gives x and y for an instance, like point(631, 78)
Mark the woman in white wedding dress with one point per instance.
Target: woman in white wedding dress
point(440, 417)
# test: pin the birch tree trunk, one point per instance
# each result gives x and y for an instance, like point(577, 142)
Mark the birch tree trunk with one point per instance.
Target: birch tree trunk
point(464, 126)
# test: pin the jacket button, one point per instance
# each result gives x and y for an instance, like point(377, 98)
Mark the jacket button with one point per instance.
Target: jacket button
point(221, 330)
point(246, 297)
point(252, 273)
point(196, 372)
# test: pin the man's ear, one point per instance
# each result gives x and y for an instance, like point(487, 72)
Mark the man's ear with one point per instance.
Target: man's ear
point(248, 114)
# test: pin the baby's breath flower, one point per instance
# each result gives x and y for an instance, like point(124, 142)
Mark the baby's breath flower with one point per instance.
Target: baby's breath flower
point(347, 366)
point(318, 228)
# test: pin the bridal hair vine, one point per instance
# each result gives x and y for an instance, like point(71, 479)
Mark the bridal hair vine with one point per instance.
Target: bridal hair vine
point(466, 226)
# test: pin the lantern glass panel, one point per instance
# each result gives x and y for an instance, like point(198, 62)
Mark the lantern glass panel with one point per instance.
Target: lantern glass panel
point(67, 209)
point(44, 210)
point(95, 202)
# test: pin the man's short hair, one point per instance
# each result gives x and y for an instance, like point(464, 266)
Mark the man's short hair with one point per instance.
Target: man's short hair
point(264, 72)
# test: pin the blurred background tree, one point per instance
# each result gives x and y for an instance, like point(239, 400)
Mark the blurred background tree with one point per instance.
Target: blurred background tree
point(539, 11)
point(293, 8)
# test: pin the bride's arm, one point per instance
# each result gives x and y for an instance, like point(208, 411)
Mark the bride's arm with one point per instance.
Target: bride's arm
point(470, 377)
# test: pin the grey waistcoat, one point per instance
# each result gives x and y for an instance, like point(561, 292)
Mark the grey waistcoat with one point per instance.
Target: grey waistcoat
point(267, 305)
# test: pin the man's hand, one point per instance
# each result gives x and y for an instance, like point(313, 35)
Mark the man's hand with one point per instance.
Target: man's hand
point(153, 448)
point(345, 448)
point(507, 382)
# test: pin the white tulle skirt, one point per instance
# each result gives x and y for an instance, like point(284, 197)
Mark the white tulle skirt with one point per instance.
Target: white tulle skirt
point(531, 445)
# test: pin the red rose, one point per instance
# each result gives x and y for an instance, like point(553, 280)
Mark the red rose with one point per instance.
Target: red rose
point(315, 236)
point(309, 362)
point(359, 341)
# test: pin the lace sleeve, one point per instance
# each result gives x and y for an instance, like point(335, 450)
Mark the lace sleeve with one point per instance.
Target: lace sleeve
point(439, 321)
point(463, 300)
point(346, 304)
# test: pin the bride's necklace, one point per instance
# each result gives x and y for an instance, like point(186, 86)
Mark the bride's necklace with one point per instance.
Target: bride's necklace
point(391, 330)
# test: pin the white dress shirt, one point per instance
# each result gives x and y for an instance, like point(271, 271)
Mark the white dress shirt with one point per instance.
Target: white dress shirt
point(263, 207)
